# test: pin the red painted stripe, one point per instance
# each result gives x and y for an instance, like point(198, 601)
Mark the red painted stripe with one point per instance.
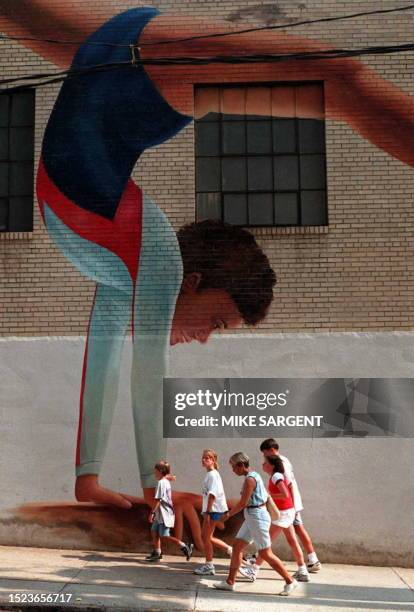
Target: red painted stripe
point(121, 236)
point(84, 368)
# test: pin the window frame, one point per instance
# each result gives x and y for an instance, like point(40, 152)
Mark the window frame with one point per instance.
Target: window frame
point(272, 155)
point(8, 161)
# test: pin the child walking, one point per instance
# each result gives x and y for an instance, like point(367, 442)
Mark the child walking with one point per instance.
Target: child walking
point(214, 506)
point(280, 491)
point(162, 517)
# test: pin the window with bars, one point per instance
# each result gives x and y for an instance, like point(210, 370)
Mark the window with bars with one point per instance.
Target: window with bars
point(16, 161)
point(260, 154)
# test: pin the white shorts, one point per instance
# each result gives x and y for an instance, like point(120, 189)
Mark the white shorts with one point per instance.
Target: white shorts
point(286, 518)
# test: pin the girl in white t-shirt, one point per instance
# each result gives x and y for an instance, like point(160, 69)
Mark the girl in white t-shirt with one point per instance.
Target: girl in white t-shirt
point(214, 506)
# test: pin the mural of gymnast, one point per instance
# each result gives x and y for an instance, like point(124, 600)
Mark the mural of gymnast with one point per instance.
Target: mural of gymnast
point(172, 288)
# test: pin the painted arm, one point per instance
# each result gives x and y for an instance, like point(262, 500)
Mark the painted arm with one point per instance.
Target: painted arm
point(49, 19)
point(374, 107)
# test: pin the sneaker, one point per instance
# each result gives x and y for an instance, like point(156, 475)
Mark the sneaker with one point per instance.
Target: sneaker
point(249, 572)
point(313, 568)
point(205, 570)
point(224, 586)
point(288, 589)
point(187, 550)
point(301, 576)
point(249, 559)
point(154, 556)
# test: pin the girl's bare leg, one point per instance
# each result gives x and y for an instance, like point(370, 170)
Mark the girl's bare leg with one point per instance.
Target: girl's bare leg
point(156, 540)
point(220, 544)
point(207, 533)
point(267, 555)
point(292, 540)
point(274, 532)
point(236, 559)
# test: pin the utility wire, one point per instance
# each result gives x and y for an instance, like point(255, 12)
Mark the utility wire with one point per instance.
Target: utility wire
point(43, 79)
point(214, 35)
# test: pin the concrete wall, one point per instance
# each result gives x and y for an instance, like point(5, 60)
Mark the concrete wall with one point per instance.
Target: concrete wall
point(357, 492)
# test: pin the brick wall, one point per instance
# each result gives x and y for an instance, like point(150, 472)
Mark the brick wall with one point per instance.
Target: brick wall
point(357, 275)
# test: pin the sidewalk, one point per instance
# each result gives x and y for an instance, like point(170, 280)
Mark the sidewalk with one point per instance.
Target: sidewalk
point(123, 581)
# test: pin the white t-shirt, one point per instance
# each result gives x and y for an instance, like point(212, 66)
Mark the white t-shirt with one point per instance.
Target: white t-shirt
point(212, 484)
point(165, 512)
point(290, 479)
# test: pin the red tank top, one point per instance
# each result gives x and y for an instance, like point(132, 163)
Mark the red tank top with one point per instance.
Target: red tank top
point(282, 504)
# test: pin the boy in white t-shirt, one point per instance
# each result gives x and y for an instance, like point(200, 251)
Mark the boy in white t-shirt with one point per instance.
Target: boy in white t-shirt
point(214, 506)
point(270, 448)
point(162, 516)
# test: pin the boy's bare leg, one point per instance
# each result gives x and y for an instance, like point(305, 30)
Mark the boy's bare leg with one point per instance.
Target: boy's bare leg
point(304, 538)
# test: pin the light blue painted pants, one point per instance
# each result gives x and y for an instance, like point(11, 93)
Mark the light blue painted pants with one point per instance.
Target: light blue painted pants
point(150, 304)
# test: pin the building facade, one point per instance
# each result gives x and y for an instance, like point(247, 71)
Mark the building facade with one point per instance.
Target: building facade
point(314, 162)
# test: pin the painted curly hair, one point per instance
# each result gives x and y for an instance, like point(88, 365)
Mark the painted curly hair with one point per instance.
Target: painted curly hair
point(229, 258)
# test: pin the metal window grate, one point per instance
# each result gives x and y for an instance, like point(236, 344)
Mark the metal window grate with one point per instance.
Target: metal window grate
point(261, 169)
point(16, 161)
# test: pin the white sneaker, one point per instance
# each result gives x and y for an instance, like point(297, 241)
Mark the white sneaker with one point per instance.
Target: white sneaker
point(288, 589)
point(314, 567)
point(205, 570)
point(249, 572)
point(224, 586)
point(301, 575)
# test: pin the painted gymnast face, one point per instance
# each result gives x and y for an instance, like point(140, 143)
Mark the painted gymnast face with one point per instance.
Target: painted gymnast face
point(200, 313)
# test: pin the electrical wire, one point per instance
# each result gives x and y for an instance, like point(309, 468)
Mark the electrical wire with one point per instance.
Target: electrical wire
point(43, 79)
point(216, 34)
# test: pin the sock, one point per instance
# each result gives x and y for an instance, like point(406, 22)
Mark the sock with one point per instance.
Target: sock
point(312, 558)
point(182, 544)
point(209, 564)
point(157, 550)
point(230, 551)
point(302, 569)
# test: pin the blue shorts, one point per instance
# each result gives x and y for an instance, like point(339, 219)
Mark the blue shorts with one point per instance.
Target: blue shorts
point(161, 529)
point(215, 516)
point(256, 528)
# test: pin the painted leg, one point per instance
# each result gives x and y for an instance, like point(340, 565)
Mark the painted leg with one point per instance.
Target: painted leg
point(108, 324)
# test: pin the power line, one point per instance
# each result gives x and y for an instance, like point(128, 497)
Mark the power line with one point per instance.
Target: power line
point(215, 35)
point(43, 79)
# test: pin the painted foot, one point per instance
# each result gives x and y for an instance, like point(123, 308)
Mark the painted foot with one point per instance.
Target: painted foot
point(87, 489)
